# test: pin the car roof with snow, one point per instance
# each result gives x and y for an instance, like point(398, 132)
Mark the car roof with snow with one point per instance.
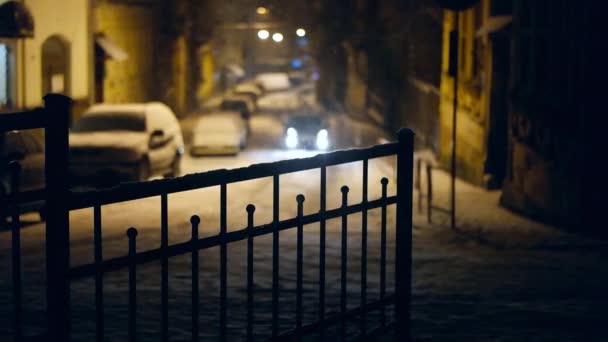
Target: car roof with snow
point(131, 116)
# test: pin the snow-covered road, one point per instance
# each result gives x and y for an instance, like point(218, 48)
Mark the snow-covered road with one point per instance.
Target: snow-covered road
point(501, 278)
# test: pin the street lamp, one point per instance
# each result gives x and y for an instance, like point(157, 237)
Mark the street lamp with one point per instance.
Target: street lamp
point(301, 32)
point(262, 10)
point(277, 37)
point(263, 34)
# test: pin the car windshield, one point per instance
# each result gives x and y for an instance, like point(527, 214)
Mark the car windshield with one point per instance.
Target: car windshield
point(111, 122)
point(305, 122)
point(233, 105)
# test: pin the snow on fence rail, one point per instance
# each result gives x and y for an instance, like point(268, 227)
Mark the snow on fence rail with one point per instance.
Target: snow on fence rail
point(60, 201)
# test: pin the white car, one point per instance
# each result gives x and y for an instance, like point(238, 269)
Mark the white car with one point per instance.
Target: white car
point(253, 87)
point(280, 102)
point(113, 142)
point(219, 133)
point(273, 81)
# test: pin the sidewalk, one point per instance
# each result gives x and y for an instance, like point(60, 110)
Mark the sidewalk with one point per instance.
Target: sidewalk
point(499, 276)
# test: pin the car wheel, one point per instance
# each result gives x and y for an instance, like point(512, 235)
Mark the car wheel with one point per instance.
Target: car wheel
point(143, 171)
point(176, 167)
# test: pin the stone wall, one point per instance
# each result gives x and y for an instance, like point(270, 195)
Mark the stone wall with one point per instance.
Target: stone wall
point(135, 29)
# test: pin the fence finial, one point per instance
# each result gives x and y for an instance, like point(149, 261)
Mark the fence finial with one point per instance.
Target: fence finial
point(195, 220)
point(131, 233)
point(300, 198)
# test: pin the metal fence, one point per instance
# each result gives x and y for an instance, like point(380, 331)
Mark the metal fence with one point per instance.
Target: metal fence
point(60, 201)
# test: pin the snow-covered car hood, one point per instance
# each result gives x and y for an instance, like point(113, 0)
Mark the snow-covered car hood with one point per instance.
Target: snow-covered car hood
point(109, 146)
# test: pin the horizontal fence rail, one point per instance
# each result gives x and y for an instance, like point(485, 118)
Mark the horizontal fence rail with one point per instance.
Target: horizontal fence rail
point(139, 190)
point(220, 239)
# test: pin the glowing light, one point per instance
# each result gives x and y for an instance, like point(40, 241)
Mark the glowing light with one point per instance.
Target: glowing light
point(301, 32)
point(262, 10)
point(263, 34)
point(291, 140)
point(322, 139)
point(296, 63)
point(277, 37)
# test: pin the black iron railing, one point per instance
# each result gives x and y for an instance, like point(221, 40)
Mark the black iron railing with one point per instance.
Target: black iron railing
point(59, 272)
point(54, 119)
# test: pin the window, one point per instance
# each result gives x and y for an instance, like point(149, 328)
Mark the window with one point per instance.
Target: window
point(6, 76)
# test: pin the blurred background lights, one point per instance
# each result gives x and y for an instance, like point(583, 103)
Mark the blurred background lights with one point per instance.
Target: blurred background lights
point(263, 34)
point(277, 37)
point(301, 32)
point(262, 10)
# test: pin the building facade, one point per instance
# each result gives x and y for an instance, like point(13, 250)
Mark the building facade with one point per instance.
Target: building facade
point(521, 112)
point(378, 61)
point(56, 59)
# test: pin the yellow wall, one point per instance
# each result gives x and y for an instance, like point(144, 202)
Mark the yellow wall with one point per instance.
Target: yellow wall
point(473, 96)
point(133, 29)
point(68, 19)
point(207, 83)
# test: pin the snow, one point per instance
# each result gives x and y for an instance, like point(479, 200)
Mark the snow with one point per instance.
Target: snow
point(280, 102)
point(500, 277)
point(273, 81)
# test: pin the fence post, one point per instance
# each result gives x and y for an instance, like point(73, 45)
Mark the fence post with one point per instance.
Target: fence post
point(403, 243)
point(57, 112)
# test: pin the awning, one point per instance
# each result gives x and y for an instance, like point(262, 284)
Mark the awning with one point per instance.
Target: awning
point(494, 24)
point(16, 20)
point(111, 49)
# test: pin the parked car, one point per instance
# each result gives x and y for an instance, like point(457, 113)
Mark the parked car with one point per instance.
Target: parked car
point(273, 81)
point(240, 103)
point(251, 86)
point(113, 142)
point(219, 133)
point(23, 147)
point(250, 97)
point(309, 131)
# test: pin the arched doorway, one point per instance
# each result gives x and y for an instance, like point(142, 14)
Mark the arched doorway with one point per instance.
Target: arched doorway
point(55, 66)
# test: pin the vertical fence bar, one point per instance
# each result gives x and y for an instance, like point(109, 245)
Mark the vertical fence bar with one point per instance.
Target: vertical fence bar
point(223, 261)
point(99, 309)
point(15, 179)
point(429, 193)
point(195, 221)
point(322, 237)
point(275, 256)
point(384, 183)
point(132, 234)
point(403, 243)
point(299, 261)
point(418, 183)
point(250, 289)
point(57, 113)
point(164, 268)
point(343, 265)
point(363, 325)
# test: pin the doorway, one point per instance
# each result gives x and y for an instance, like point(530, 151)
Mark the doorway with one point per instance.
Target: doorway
point(55, 66)
point(496, 161)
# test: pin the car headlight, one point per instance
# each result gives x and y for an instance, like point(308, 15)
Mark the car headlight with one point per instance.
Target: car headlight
point(322, 139)
point(291, 140)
